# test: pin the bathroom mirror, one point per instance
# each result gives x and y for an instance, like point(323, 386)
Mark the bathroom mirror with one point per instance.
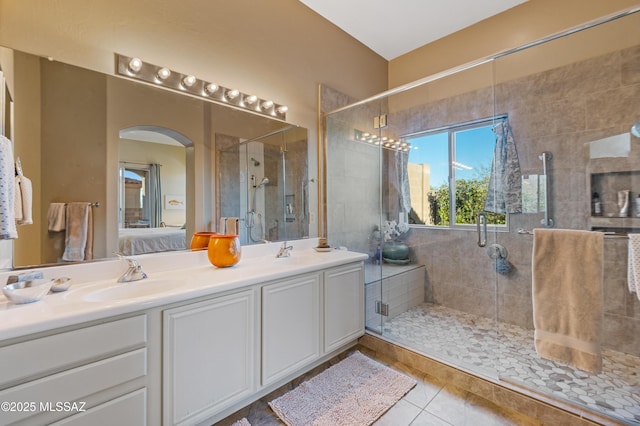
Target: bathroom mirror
point(78, 131)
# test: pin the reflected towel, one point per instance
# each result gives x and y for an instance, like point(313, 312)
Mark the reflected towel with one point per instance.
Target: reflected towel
point(24, 200)
point(56, 217)
point(232, 226)
point(633, 265)
point(7, 191)
point(79, 238)
point(504, 194)
point(567, 296)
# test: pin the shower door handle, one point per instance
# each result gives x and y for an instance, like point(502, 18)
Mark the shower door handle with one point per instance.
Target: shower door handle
point(481, 222)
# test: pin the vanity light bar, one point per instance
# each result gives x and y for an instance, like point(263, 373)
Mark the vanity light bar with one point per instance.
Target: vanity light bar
point(137, 69)
point(386, 142)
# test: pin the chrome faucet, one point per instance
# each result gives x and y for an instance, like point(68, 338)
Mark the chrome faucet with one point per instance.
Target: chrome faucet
point(134, 271)
point(285, 250)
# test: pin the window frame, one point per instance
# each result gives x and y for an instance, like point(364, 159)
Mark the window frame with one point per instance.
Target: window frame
point(451, 131)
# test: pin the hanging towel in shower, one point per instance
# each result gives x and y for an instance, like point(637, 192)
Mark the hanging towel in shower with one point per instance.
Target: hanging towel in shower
point(633, 265)
point(504, 194)
point(567, 296)
point(7, 191)
point(79, 238)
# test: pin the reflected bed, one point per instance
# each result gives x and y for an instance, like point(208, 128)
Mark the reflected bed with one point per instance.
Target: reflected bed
point(134, 241)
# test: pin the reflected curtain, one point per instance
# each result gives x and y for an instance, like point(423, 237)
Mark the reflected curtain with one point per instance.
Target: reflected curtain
point(155, 196)
point(505, 183)
point(402, 175)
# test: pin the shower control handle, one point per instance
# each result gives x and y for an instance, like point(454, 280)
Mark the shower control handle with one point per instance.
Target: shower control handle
point(481, 222)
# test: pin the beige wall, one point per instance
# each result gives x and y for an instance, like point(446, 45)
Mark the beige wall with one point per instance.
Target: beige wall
point(277, 49)
point(525, 23)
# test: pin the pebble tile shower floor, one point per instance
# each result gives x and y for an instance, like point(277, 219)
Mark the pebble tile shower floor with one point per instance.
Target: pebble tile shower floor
point(475, 343)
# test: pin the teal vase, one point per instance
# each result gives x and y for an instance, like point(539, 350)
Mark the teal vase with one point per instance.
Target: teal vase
point(394, 250)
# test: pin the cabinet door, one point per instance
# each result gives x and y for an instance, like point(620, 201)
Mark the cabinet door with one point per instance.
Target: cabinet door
point(127, 410)
point(290, 326)
point(343, 305)
point(209, 357)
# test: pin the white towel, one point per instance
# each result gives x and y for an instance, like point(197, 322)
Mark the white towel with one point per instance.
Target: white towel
point(7, 191)
point(222, 227)
point(24, 200)
point(633, 265)
point(57, 217)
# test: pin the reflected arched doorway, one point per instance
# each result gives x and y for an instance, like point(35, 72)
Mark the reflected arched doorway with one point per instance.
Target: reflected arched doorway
point(152, 193)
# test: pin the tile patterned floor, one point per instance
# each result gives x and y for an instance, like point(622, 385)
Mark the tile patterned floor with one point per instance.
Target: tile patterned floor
point(432, 402)
point(476, 344)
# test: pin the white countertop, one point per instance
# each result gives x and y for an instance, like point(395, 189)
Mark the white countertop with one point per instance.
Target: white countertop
point(179, 276)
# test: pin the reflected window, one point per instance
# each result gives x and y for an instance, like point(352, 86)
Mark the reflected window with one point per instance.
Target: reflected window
point(135, 202)
point(449, 171)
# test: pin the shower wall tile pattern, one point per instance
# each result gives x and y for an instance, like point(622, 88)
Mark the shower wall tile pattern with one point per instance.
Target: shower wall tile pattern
point(507, 351)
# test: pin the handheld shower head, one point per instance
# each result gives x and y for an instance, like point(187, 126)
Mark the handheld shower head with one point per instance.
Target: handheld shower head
point(263, 182)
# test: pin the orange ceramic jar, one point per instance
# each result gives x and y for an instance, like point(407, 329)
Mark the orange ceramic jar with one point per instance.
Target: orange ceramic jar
point(224, 250)
point(200, 240)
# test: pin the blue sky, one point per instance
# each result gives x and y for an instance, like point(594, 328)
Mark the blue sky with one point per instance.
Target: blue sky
point(474, 149)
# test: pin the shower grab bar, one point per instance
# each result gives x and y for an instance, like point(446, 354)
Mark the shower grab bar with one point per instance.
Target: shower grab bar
point(481, 222)
point(547, 222)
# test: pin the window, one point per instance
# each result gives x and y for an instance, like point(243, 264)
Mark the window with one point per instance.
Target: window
point(448, 172)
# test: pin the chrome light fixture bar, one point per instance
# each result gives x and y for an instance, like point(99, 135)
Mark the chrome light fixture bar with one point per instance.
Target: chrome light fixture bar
point(160, 76)
point(387, 143)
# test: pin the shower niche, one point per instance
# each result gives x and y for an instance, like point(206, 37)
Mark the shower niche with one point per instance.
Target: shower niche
point(611, 184)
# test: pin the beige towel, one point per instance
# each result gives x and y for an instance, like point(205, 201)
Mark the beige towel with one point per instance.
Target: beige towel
point(232, 226)
point(57, 217)
point(222, 226)
point(567, 296)
point(79, 238)
point(24, 200)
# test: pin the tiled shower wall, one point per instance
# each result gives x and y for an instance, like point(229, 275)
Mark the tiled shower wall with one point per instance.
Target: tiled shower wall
point(560, 110)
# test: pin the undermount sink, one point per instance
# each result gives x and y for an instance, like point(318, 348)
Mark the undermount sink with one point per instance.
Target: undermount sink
point(131, 290)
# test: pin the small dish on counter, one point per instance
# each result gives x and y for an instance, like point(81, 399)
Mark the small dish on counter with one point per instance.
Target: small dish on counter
point(61, 284)
point(323, 249)
point(27, 291)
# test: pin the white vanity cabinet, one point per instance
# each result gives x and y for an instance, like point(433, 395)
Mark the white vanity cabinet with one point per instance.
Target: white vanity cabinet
point(290, 326)
point(343, 305)
point(209, 356)
point(75, 374)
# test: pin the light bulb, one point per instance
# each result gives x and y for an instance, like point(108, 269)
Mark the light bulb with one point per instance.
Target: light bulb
point(250, 100)
point(188, 81)
point(282, 109)
point(266, 105)
point(210, 89)
point(135, 65)
point(232, 94)
point(163, 73)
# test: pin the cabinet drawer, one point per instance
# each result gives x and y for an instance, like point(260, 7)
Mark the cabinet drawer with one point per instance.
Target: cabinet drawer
point(127, 410)
point(75, 384)
point(38, 357)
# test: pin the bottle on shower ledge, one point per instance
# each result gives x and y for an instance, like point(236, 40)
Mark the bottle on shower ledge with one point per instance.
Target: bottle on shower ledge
point(596, 205)
point(637, 206)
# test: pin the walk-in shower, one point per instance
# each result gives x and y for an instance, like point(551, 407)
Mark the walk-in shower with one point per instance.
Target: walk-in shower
point(567, 103)
point(253, 219)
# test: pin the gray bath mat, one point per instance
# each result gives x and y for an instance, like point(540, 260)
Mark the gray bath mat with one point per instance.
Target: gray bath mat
point(356, 391)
